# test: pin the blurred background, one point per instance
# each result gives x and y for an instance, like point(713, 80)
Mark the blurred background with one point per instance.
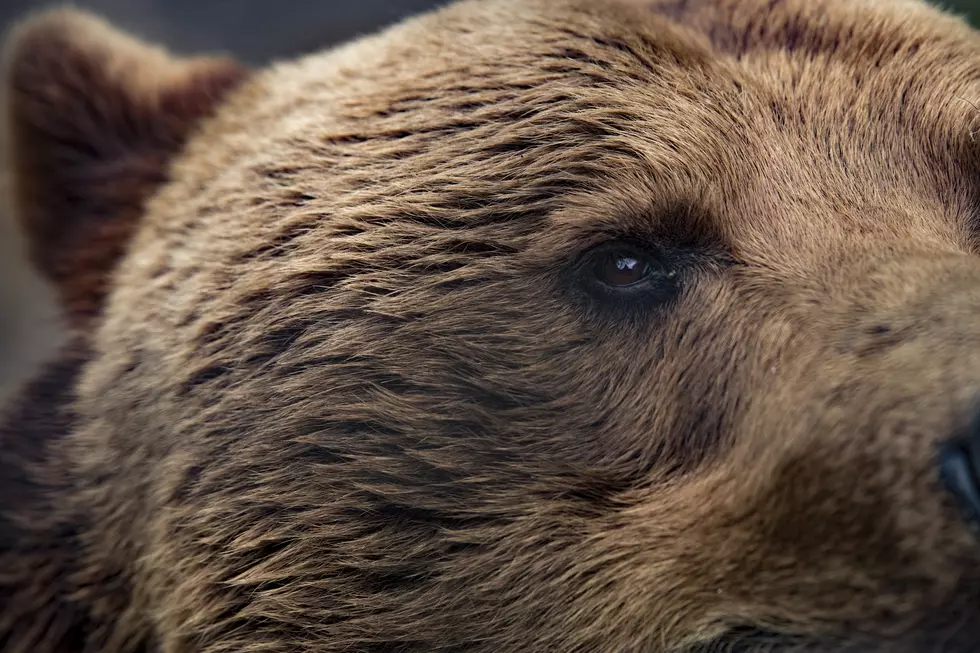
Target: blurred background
point(255, 31)
point(260, 30)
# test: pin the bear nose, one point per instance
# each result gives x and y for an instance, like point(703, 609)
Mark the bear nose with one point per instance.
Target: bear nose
point(959, 464)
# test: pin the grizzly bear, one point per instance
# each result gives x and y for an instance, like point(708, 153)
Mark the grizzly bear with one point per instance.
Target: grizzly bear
point(524, 326)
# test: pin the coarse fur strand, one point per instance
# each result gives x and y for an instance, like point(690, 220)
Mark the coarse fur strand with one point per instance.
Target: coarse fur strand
point(333, 383)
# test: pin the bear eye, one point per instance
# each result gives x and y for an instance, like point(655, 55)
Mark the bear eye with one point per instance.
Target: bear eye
point(621, 268)
point(618, 270)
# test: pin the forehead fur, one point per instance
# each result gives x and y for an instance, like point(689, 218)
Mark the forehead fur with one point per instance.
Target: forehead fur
point(770, 108)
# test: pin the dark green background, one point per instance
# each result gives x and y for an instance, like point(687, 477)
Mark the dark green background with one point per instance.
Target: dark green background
point(968, 8)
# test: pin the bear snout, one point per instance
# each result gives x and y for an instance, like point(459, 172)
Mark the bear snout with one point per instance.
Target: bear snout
point(959, 464)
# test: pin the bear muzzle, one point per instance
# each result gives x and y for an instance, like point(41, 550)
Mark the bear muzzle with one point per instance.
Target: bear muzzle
point(959, 463)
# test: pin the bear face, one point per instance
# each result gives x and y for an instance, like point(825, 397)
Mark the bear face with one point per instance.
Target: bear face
point(526, 325)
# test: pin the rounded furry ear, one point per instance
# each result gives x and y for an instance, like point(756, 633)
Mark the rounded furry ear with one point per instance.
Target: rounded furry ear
point(92, 117)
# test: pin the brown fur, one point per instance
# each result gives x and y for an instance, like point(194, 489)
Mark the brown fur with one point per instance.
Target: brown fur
point(346, 392)
point(93, 118)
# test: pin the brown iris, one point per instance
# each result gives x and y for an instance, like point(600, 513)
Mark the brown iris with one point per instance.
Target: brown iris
point(622, 268)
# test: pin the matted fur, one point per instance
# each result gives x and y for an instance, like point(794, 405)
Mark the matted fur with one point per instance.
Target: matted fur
point(344, 393)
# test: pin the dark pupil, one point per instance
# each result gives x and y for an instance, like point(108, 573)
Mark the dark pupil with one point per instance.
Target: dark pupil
point(622, 269)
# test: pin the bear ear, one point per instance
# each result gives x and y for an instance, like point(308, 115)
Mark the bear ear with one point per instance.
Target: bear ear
point(92, 118)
